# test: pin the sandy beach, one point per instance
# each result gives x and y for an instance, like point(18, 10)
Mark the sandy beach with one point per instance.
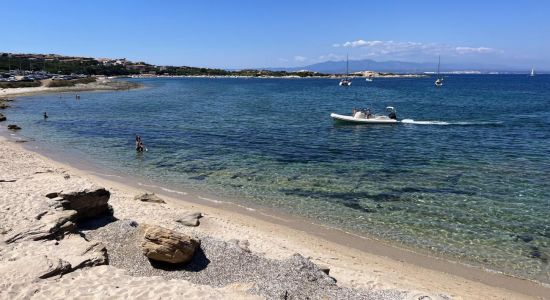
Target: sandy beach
point(245, 253)
point(102, 84)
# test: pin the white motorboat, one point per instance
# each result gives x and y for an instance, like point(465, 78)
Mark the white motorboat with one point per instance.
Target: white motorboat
point(369, 79)
point(364, 116)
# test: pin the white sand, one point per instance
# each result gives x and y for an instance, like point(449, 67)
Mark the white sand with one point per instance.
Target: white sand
point(101, 84)
point(21, 200)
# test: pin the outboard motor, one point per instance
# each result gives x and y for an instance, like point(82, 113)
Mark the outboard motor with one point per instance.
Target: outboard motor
point(392, 114)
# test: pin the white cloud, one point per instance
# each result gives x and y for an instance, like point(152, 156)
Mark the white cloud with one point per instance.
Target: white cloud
point(300, 58)
point(362, 43)
point(336, 45)
point(400, 49)
point(466, 50)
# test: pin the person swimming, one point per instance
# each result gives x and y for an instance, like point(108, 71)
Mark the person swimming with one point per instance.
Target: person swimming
point(45, 115)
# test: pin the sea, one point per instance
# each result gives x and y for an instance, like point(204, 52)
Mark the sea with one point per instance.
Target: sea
point(466, 176)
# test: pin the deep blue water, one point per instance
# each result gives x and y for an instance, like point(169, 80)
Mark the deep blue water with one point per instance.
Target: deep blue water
point(469, 180)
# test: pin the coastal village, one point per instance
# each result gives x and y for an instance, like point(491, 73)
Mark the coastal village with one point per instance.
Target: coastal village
point(22, 68)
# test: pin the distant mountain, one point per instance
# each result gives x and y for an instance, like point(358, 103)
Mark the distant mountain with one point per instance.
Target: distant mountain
point(398, 67)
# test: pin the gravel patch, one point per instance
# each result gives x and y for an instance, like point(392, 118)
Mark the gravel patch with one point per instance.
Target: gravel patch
point(218, 263)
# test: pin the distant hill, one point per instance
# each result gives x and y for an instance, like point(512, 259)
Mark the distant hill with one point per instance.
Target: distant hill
point(331, 67)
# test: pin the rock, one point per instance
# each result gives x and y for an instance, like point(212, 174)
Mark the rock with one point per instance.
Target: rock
point(524, 237)
point(324, 268)
point(190, 219)
point(51, 258)
point(55, 267)
point(3, 106)
point(13, 127)
point(52, 224)
point(2, 118)
point(88, 203)
point(308, 269)
point(149, 197)
point(242, 244)
point(161, 244)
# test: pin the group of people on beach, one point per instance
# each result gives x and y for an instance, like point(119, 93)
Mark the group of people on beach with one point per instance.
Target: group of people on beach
point(139, 144)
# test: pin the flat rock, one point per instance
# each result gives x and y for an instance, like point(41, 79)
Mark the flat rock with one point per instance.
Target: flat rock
point(161, 244)
point(13, 127)
point(149, 197)
point(190, 218)
point(31, 260)
point(50, 224)
point(2, 118)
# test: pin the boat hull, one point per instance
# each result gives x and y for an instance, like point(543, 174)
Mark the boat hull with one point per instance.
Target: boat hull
point(350, 119)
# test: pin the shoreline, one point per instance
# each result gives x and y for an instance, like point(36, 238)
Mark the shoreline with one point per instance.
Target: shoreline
point(399, 260)
point(102, 84)
point(431, 273)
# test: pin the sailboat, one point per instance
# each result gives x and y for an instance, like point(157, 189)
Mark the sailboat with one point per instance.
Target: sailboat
point(439, 80)
point(532, 72)
point(346, 81)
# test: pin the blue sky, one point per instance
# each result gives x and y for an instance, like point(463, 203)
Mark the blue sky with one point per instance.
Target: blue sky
point(238, 34)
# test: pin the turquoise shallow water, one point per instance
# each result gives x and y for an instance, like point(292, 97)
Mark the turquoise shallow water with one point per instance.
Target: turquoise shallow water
point(468, 179)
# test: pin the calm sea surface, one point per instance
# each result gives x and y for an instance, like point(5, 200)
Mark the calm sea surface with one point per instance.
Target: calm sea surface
point(469, 179)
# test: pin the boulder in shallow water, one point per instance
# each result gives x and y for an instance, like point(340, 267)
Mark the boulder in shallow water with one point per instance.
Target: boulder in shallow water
point(164, 245)
point(190, 218)
point(13, 127)
point(149, 197)
point(2, 118)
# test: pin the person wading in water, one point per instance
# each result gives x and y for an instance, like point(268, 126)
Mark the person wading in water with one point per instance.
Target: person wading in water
point(139, 144)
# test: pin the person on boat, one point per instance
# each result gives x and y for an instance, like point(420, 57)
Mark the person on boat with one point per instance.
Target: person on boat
point(392, 115)
point(368, 114)
point(45, 115)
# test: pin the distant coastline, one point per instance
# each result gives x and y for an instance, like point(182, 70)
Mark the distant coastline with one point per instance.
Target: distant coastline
point(376, 75)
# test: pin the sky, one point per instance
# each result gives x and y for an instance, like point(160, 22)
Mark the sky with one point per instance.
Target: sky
point(241, 34)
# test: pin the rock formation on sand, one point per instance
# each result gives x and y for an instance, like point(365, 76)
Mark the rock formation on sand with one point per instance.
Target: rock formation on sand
point(88, 203)
point(190, 218)
point(149, 197)
point(161, 244)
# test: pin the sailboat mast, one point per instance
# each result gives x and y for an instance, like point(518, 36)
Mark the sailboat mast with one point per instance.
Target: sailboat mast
point(347, 66)
point(438, 65)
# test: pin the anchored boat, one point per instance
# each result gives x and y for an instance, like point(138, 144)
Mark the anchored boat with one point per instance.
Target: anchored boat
point(366, 116)
point(346, 81)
